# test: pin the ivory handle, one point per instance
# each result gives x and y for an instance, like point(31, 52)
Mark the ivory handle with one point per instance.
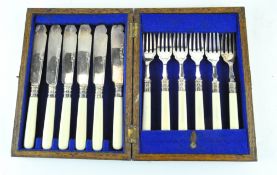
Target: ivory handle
point(30, 129)
point(81, 130)
point(233, 104)
point(217, 124)
point(97, 134)
point(146, 118)
point(117, 123)
point(165, 111)
point(48, 128)
point(182, 111)
point(199, 111)
point(65, 124)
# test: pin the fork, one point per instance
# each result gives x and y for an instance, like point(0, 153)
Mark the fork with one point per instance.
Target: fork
point(180, 51)
point(228, 53)
point(212, 52)
point(196, 51)
point(149, 54)
point(164, 51)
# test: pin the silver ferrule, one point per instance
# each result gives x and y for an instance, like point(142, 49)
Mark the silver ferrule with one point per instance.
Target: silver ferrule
point(34, 90)
point(118, 90)
point(232, 87)
point(164, 71)
point(215, 85)
point(98, 91)
point(52, 91)
point(231, 73)
point(83, 92)
point(198, 84)
point(147, 85)
point(181, 71)
point(165, 84)
point(67, 91)
point(182, 84)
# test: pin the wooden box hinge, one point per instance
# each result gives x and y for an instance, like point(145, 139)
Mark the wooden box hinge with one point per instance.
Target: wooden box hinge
point(132, 134)
point(133, 29)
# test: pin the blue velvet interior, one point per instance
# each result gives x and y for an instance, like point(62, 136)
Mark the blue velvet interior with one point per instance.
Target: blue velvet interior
point(210, 141)
point(108, 94)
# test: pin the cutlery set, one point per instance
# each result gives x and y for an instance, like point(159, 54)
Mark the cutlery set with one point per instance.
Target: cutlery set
point(68, 44)
point(197, 45)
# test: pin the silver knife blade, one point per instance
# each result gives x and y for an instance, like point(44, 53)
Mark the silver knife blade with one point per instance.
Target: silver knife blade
point(53, 54)
point(84, 52)
point(117, 44)
point(69, 52)
point(38, 54)
point(99, 54)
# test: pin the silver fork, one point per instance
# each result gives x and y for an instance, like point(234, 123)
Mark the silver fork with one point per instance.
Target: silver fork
point(180, 51)
point(149, 47)
point(228, 52)
point(196, 51)
point(164, 51)
point(212, 52)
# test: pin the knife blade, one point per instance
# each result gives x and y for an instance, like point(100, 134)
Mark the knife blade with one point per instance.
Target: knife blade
point(83, 64)
point(35, 78)
point(117, 46)
point(52, 71)
point(99, 65)
point(68, 63)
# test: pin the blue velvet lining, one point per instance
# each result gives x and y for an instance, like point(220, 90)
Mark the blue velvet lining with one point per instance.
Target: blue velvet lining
point(209, 141)
point(108, 94)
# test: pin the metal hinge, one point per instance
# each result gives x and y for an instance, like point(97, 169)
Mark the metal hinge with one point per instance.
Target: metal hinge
point(132, 134)
point(133, 29)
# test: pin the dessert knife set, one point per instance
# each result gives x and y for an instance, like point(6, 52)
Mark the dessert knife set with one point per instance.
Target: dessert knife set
point(68, 44)
point(181, 46)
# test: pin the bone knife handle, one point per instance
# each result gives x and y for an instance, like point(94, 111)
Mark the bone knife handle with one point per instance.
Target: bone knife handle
point(216, 108)
point(48, 128)
point(65, 123)
point(199, 106)
point(182, 105)
point(30, 129)
point(81, 130)
point(233, 106)
point(97, 133)
point(117, 123)
point(146, 118)
point(165, 113)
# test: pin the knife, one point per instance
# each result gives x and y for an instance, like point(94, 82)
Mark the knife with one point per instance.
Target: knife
point(52, 72)
point(117, 43)
point(68, 63)
point(83, 64)
point(99, 65)
point(35, 77)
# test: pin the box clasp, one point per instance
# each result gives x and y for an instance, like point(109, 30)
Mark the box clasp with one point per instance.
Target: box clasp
point(132, 134)
point(133, 29)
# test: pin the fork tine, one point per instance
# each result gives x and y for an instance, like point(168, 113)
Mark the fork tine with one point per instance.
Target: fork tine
point(155, 46)
point(210, 42)
point(146, 42)
point(202, 42)
point(182, 42)
point(143, 43)
point(214, 42)
point(166, 41)
point(173, 41)
point(186, 41)
point(234, 43)
point(226, 42)
point(193, 41)
point(230, 43)
point(162, 41)
point(159, 42)
point(217, 42)
point(197, 41)
point(150, 44)
point(190, 41)
point(206, 42)
point(170, 42)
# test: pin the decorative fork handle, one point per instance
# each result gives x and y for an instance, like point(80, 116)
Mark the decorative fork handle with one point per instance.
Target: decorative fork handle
point(217, 124)
point(199, 109)
point(97, 133)
point(118, 119)
point(146, 116)
point(165, 121)
point(65, 119)
point(233, 106)
point(182, 105)
point(81, 130)
point(30, 130)
point(48, 128)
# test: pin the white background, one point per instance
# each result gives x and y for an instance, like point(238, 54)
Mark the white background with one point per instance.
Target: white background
point(261, 24)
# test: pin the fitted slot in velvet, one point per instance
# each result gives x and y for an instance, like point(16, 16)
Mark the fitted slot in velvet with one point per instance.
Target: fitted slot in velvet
point(160, 141)
point(108, 92)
